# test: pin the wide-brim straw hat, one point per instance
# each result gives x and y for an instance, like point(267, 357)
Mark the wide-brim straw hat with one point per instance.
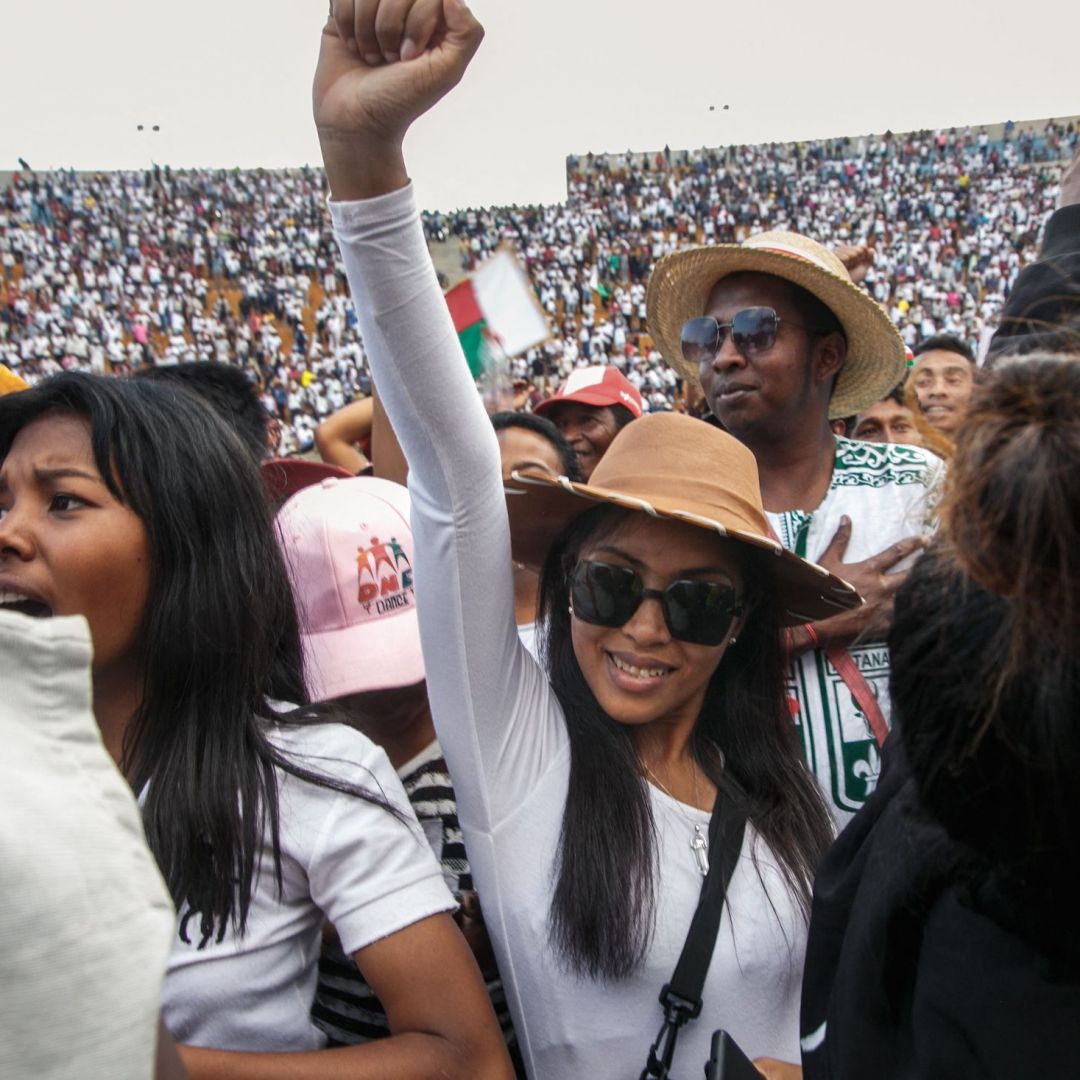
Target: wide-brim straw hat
point(682, 281)
point(672, 466)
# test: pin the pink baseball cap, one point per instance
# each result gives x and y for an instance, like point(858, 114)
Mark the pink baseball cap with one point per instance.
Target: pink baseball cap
point(598, 385)
point(349, 551)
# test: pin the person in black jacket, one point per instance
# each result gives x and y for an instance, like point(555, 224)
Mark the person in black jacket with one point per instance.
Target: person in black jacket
point(943, 940)
point(1045, 300)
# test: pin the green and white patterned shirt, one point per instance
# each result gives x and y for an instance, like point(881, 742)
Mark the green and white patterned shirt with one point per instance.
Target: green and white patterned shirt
point(889, 491)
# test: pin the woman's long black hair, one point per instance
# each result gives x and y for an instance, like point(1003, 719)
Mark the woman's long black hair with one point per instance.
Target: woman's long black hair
point(219, 640)
point(604, 897)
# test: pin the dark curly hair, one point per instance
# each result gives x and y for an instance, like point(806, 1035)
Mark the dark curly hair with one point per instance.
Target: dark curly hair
point(985, 641)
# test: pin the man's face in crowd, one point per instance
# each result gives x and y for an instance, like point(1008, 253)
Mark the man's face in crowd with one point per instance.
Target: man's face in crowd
point(588, 428)
point(943, 384)
point(887, 422)
point(771, 393)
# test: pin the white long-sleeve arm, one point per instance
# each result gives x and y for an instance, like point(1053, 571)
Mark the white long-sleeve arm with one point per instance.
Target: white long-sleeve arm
point(498, 721)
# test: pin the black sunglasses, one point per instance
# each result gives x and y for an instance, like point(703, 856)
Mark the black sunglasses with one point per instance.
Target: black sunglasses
point(753, 330)
point(700, 612)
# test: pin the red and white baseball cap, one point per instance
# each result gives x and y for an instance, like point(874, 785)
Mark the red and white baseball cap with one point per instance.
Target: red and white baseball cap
point(600, 385)
point(349, 551)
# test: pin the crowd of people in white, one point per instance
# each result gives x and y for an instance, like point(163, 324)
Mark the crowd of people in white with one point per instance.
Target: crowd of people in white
point(112, 271)
point(766, 699)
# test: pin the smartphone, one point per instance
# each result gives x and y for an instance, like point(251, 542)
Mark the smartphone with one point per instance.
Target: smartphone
point(727, 1061)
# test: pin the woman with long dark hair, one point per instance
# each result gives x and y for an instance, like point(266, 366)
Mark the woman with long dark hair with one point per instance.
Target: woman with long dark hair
point(585, 789)
point(130, 503)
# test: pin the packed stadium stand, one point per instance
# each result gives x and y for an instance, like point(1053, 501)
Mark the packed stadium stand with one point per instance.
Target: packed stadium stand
point(111, 271)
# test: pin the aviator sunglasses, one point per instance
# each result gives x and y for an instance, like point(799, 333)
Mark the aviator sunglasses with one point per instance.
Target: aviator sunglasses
point(698, 612)
point(753, 330)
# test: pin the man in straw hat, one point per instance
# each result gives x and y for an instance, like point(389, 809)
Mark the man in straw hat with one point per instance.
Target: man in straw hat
point(781, 341)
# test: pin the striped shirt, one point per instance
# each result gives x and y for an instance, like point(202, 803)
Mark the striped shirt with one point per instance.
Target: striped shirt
point(345, 1008)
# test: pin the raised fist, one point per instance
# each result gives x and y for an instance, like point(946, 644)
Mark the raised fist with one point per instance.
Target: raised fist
point(385, 62)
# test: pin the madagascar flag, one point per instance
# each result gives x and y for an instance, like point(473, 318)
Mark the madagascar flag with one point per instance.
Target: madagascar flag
point(470, 324)
point(496, 304)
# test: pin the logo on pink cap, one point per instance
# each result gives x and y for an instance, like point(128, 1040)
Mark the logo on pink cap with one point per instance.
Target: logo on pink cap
point(388, 589)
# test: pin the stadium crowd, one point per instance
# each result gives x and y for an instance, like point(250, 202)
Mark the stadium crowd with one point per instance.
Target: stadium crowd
point(110, 272)
point(725, 687)
point(950, 217)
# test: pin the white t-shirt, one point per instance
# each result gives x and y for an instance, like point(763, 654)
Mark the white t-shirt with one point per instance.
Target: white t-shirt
point(527, 635)
point(342, 858)
point(889, 492)
point(503, 732)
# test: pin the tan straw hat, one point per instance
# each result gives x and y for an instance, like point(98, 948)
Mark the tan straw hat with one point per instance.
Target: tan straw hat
point(673, 466)
point(681, 282)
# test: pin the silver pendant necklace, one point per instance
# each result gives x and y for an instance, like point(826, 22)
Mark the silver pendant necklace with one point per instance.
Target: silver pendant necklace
point(699, 844)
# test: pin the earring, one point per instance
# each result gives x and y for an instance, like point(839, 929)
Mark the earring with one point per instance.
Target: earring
point(570, 608)
point(731, 641)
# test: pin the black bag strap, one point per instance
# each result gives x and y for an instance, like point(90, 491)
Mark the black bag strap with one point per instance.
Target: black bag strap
point(681, 997)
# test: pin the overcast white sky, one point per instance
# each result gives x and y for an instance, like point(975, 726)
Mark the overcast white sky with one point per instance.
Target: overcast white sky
point(228, 81)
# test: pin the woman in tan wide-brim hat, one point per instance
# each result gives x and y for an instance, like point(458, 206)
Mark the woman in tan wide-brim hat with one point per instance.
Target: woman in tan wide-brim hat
point(586, 785)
